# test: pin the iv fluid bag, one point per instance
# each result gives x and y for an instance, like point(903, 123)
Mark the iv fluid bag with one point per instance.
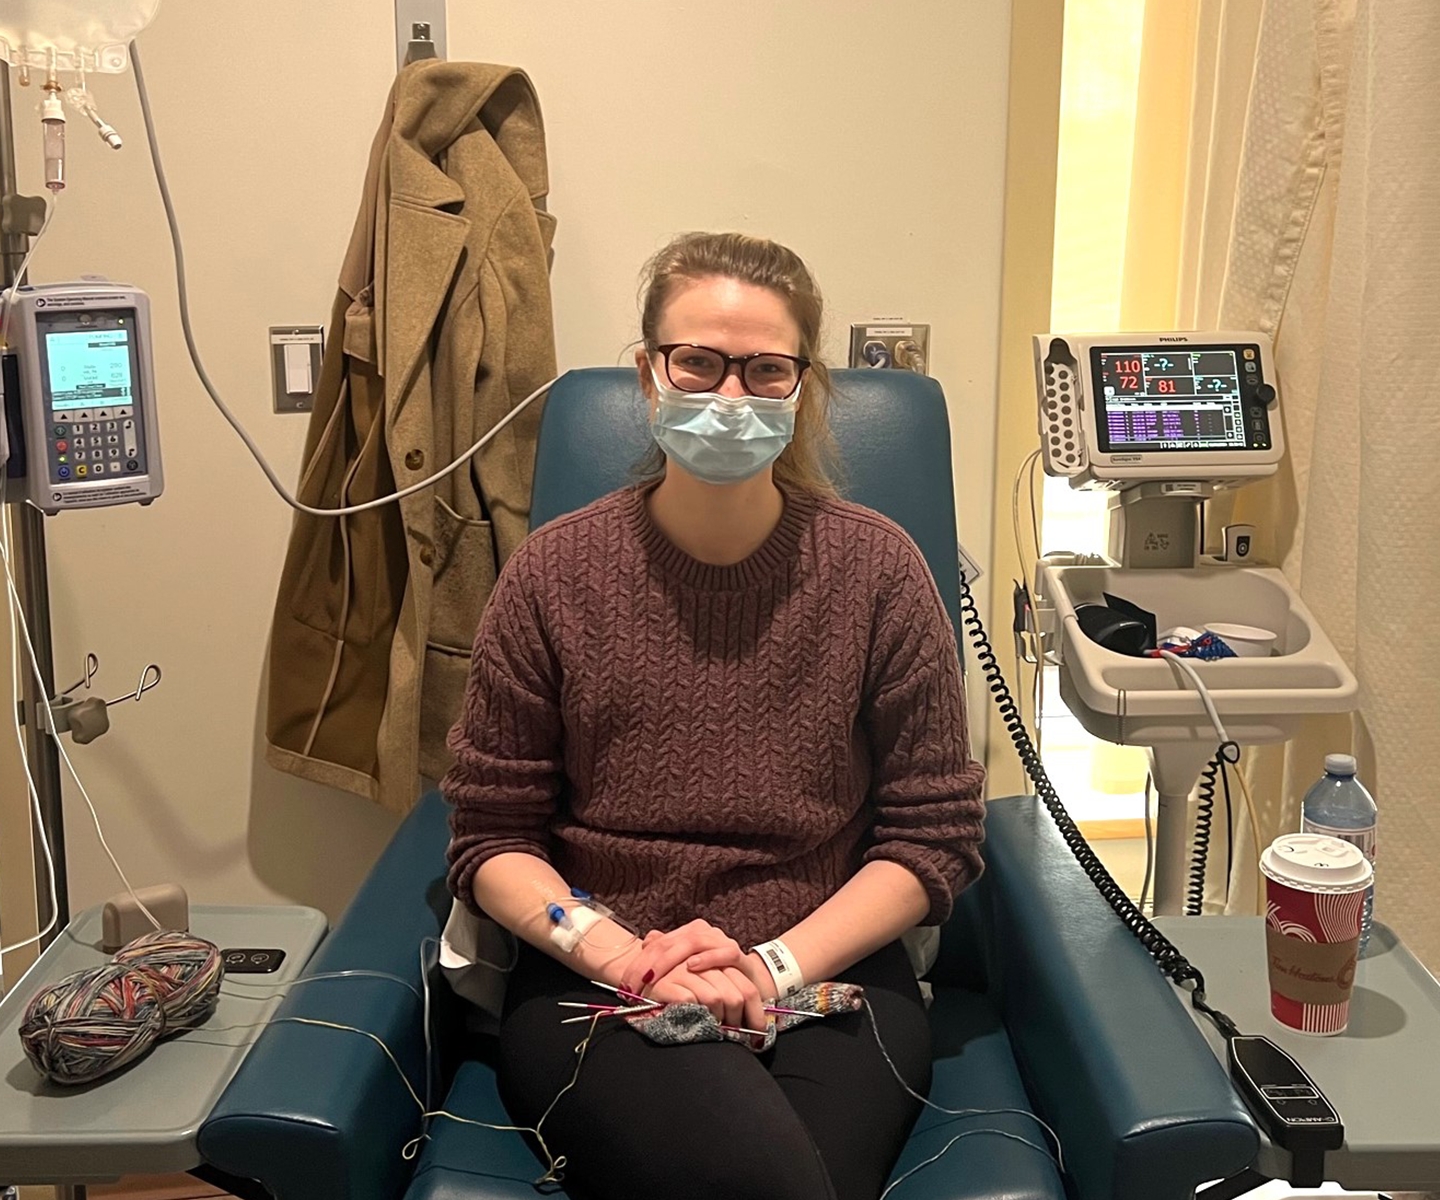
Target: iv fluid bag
point(81, 35)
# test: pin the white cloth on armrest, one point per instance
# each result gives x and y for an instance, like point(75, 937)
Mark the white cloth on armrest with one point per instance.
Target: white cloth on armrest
point(475, 956)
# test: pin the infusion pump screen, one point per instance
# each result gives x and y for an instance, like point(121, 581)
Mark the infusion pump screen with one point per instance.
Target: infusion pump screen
point(91, 367)
point(90, 377)
point(1176, 398)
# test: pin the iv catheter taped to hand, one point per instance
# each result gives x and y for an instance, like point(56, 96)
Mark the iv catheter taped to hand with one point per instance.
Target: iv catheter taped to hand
point(683, 1024)
point(570, 926)
point(568, 930)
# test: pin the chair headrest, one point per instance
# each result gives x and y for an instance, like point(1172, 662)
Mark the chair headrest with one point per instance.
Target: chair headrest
point(891, 426)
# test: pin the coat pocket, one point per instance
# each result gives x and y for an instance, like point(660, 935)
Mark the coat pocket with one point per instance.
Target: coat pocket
point(464, 577)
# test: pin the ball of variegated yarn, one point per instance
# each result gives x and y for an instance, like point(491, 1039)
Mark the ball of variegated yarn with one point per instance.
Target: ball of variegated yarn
point(190, 972)
point(92, 1023)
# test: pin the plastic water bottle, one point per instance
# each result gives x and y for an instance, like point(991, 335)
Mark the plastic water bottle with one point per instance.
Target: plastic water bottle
point(1339, 806)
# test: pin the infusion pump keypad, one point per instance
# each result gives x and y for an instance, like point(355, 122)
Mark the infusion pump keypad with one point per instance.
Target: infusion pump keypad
point(102, 443)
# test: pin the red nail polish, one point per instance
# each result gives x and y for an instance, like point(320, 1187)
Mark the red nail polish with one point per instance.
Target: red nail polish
point(649, 975)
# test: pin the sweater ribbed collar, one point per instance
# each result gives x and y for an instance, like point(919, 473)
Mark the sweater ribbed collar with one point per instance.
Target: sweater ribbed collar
point(770, 558)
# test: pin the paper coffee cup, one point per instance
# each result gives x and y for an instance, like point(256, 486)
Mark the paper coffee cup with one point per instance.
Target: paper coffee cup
point(1314, 900)
point(1248, 641)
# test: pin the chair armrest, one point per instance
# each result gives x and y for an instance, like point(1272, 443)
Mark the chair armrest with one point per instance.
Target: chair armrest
point(317, 1113)
point(1110, 1057)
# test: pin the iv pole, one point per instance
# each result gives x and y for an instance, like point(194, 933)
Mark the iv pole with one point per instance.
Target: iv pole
point(34, 587)
point(33, 584)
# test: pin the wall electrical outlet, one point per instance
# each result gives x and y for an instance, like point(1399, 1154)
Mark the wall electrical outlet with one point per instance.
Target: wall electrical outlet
point(890, 345)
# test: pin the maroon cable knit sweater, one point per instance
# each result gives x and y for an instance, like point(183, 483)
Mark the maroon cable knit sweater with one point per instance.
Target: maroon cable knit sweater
point(731, 743)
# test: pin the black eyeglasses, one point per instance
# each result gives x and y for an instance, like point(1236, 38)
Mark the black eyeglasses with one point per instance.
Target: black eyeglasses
point(694, 368)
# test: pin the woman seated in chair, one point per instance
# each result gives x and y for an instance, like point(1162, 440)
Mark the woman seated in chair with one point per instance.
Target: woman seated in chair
point(728, 705)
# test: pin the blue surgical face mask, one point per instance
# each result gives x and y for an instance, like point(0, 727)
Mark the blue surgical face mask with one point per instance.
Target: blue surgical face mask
point(722, 439)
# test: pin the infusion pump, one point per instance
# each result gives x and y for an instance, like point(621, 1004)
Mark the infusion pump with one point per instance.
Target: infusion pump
point(1120, 409)
point(82, 430)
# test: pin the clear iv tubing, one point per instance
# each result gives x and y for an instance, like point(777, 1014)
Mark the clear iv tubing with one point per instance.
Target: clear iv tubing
point(209, 387)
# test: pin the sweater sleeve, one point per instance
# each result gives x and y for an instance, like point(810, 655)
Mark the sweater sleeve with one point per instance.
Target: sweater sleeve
point(925, 787)
point(508, 743)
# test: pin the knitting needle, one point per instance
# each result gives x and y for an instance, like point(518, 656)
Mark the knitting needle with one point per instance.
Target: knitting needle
point(640, 1008)
point(621, 992)
point(624, 995)
point(611, 1012)
point(793, 1012)
point(603, 1007)
point(614, 1012)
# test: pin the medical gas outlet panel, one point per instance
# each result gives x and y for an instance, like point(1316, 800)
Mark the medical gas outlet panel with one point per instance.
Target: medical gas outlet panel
point(87, 406)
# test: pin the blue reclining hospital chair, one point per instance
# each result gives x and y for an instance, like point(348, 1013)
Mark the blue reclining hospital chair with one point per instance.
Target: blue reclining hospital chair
point(1043, 1001)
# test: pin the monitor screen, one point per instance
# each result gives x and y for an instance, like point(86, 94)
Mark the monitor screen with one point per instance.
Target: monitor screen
point(89, 358)
point(1151, 398)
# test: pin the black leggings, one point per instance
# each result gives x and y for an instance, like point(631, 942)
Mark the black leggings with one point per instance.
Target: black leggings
point(818, 1117)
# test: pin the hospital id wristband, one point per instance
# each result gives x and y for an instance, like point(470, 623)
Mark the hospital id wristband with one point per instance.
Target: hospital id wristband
point(783, 968)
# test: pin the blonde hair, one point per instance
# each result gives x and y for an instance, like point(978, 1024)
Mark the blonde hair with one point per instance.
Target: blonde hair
point(808, 463)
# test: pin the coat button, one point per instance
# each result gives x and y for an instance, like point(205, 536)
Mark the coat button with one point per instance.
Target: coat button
point(415, 459)
point(427, 556)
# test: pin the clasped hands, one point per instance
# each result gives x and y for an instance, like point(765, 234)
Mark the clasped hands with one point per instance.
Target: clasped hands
point(699, 963)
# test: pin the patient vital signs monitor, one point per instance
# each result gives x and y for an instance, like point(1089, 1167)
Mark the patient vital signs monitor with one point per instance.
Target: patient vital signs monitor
point(87, 389)
point(1120, 409)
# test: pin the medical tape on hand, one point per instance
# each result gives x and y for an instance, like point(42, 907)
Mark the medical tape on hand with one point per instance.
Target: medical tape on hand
point(781, 964)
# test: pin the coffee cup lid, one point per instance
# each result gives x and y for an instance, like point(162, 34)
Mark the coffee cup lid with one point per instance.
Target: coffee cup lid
point(1314, 862)
point(1248, 633)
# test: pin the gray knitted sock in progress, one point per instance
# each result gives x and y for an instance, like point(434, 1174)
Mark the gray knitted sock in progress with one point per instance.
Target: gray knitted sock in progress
point(683, 1024)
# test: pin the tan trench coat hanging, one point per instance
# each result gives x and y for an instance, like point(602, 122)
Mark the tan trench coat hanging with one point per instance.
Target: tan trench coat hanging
point(442, 324)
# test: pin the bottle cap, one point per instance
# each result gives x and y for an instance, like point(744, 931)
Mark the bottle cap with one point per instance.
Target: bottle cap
point(1340, 764)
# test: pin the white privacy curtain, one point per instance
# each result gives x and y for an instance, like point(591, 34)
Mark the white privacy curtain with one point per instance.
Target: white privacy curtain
point(1313, 212)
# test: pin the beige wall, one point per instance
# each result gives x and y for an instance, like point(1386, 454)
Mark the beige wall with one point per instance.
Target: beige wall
point(1033, 132)
point(870, 138)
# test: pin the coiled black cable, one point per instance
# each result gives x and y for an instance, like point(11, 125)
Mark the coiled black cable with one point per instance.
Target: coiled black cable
point(1172, 963)
point(1200, 854)
point(1229, 826)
